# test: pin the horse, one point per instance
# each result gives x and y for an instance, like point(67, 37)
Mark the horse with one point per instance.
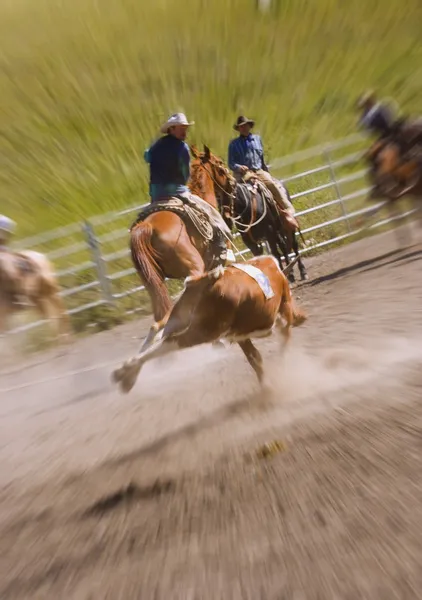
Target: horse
point(255, 215)
point(27, 280)
point(236, 303)
point(394, 177)
point(165, 245)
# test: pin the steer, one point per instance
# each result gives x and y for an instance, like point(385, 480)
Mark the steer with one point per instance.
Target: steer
point(235, 303)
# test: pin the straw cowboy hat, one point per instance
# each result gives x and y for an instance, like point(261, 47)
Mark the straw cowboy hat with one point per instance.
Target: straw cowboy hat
point(243, 121)
point(176, 119)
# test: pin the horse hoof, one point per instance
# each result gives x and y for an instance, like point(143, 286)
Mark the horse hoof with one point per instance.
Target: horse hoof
point(304, 276)
point(117, 375)
point(292, 279)
point(219, 344)
point(267, 391)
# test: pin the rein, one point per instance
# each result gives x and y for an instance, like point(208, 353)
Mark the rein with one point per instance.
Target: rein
point(237, 220)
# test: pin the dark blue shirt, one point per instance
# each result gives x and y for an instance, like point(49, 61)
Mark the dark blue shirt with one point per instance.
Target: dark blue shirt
point(169, 163)
point(377, 120)
point(247, 151)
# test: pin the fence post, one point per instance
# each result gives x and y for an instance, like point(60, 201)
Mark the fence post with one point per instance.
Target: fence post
point(263, 5)
point(100, 264)
point(333, 178)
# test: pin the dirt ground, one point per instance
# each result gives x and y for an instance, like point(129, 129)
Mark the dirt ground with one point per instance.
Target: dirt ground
point(161, 494)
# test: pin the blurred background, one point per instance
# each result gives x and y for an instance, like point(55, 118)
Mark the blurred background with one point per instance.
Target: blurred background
point(85, 84)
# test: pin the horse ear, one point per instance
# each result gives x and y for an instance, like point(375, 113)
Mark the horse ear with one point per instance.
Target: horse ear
point(207, 152)
point(194, 151)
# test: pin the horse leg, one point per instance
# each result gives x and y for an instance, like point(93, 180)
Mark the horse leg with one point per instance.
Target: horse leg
point(272, 242)
point(401, 236)
point(5, 314)
point(254, 247)
point(302, 268)
point(60, 316)
point(285, 249)
point(48, 311)
point(254, 358)
point(127, 374)
point(293, 316)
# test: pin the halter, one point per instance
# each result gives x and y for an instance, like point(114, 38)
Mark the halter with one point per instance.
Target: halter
point(220, 187)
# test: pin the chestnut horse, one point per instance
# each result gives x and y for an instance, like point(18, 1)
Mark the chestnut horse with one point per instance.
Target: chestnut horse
point(237, 303)
point(28, 276)
point(163, 246)
point(393, 176)
point(256, 219)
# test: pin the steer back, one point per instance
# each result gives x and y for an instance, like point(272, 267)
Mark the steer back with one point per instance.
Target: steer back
point(227, 303)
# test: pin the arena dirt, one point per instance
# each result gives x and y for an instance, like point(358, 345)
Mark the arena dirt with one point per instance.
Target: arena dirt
point(163, 494)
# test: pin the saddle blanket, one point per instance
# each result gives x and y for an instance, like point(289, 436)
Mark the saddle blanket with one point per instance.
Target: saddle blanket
point(260, 277)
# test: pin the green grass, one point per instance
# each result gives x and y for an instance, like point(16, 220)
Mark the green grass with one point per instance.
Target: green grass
point(85, 84)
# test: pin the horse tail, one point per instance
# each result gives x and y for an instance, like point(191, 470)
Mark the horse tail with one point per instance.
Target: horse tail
point(144, 258)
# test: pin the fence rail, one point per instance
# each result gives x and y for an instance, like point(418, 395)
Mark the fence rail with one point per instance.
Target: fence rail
point(92, 258)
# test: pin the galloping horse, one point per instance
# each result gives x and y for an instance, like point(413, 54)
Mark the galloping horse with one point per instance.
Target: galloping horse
point(164, 245)
point(394, 177)
point(29, 276)
point(255, 218)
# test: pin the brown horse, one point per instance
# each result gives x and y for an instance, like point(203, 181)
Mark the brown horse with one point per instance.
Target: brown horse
point(224, 304)
point(256, 219)
point(27, 280)
point(394, 177)
point(164, 246)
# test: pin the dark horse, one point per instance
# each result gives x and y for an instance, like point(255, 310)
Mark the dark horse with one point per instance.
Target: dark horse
point(255, 216)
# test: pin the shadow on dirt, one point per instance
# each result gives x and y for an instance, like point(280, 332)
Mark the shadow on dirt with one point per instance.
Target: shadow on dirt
point(252, 402)
point(370, 264)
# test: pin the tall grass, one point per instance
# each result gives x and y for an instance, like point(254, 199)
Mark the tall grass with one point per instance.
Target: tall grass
point(85, 84)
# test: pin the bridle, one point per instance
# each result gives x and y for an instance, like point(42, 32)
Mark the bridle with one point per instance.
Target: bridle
point(237, 221)
point(225, 192)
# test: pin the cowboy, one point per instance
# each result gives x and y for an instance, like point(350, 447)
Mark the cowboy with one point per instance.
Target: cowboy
point(376, 118)
point(246, 158)
point(7, 267)
point(7, 229)
point(169, 164)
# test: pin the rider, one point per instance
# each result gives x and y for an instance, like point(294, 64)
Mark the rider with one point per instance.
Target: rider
point(7, 230)
point(376, 118)
point(246, 156)
point(169, 164)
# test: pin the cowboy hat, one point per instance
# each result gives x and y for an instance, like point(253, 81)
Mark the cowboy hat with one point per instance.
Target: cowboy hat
point(243, 121)
point(7, 225)
point(176, 119)
point(368, 96)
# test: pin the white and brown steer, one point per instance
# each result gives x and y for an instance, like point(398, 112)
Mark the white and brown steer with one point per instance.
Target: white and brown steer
point(226, 303)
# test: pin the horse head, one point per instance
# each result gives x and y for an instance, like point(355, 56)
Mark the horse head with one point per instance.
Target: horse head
point(219, 176)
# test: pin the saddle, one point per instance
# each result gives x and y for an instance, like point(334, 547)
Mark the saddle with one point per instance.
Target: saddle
point(255, 191)
point(9, 282)
point(193, 217)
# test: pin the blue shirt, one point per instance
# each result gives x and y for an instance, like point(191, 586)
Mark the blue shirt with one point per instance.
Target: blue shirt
point(169, 163)
point(247, 151)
